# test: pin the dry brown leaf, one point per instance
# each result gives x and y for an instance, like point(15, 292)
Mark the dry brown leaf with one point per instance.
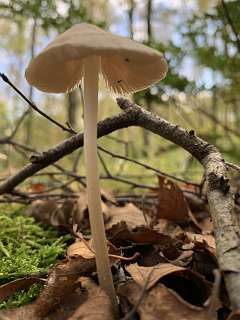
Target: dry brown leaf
point(120, 233)
point(65, 214)
point(207, 238)
point(130, 214)
point(8, 289)
point(151, 274)
point(235, 315)
point(161, 303)
point(62, 281)
point(50, 212)
point(36, 187)
point(169, 228)
point(23, 313)
point(96, 307)
point(83, 249)
point(172, 203)
point(182, 280)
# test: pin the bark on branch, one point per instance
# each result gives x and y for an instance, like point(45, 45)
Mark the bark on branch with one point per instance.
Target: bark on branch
point(226, 227)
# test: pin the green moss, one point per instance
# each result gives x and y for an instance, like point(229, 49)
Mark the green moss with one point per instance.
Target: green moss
point(26, 247)
point(22, 297)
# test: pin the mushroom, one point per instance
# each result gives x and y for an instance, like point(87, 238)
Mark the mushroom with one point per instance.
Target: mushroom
point(82, 53)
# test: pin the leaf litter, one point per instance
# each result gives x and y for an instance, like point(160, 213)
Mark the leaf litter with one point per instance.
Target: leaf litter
point(163, 260)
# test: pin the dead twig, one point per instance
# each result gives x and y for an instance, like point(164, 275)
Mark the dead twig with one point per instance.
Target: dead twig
point(146, 166)
point(32, 105)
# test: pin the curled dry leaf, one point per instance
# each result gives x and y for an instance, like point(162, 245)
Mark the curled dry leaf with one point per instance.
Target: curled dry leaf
point(161, 303)
point(53, 213)
point(85, 249)
point(62, 281)
point(206, 238)
point(81, 248)
point(153, 274)
point(96, 307)
point(120, 233)
point(182, 280)
point(130, 214)
point(172, 203)
point(235, 315)
point(65, 214)
point(168, 227)
point(8, 289)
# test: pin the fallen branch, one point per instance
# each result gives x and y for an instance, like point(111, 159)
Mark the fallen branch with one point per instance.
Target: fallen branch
point(226, 228)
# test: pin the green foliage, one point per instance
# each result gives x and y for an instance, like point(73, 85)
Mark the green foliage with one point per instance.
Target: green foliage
point(213, 42)
point(25, 247)
point(47, 13)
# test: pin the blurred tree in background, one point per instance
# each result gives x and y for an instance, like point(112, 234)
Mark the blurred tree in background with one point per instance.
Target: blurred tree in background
point(200, 39)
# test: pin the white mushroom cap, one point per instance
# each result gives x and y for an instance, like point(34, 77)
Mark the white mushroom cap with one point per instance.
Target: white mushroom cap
point(126, 66)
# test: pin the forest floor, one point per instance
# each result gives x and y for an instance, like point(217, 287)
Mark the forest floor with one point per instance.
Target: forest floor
point(163, 258)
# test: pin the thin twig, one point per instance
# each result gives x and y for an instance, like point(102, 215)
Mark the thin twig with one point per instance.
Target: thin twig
point(32, 105)
point(146, 166)
point(233, 166)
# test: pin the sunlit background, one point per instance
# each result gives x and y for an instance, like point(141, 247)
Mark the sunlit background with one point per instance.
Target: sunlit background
point(201, 42)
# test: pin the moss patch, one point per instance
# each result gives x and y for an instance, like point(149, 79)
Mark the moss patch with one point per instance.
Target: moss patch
point(26, 246)
point(22, 297)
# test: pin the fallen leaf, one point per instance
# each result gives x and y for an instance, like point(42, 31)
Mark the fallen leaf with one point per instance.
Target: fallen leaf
point(23, 313)
point(81, 248)
point(65, 214)
point(8, 289)
point(150, 274)
point(130, 214)
point(161, 303)
point(207, 238)
point(53, 213)
point(96, 307)
point(204, 259)
point(172, 203)
point(36, 187)
point(235, 315)
point(184, 259)
point(62, 281)
point(85, 249)
point(144, 235)
point(180, 279)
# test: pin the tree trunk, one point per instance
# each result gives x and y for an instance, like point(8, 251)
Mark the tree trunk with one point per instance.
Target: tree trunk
point(131, 7)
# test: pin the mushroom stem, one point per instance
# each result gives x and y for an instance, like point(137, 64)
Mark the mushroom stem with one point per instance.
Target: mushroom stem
point(91, 75)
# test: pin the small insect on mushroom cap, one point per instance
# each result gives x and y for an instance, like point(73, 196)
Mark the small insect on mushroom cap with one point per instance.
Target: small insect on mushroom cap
point(126, 65)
